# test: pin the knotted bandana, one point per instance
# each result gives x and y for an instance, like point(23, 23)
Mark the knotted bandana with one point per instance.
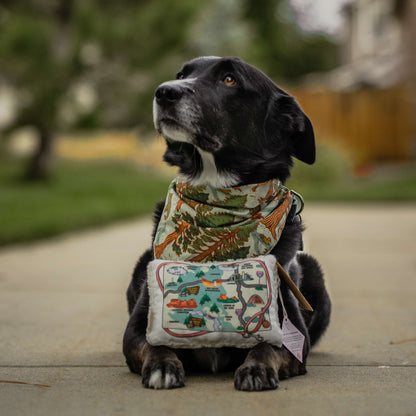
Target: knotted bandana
point(202, 223)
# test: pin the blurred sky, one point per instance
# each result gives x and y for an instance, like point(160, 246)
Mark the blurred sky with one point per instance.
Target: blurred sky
point(320, 15)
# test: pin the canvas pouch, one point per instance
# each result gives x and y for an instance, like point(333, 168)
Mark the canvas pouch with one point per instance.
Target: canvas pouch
point(214, 304)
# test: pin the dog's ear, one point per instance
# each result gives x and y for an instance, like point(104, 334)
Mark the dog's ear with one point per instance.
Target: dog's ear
point(286, 122)
point(304, 141)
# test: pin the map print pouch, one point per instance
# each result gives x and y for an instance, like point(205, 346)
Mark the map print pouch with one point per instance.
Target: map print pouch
point(215, 304)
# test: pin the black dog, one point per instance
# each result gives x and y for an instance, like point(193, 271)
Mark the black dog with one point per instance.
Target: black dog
point(227, 124)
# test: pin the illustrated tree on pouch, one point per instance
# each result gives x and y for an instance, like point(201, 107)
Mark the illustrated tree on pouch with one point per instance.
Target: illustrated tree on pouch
point(214, 308)
point(204, 299)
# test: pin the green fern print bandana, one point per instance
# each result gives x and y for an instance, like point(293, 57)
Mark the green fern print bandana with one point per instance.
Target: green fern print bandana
point(203, 223)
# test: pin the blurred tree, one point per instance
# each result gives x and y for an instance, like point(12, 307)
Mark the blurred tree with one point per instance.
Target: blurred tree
point(34, 55)
point(96, 63)
point(280, 47)
point(264, 33)
point(88, 62)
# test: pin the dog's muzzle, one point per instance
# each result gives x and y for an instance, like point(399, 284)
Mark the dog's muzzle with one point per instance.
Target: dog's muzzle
point(168, 94)
point(176, 114)
point(171, 92)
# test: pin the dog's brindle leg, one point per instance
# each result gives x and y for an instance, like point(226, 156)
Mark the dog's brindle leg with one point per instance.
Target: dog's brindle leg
point(260, 370)
point(265, 363)
point(263, 366)
point(161, 369)
point(159, 366)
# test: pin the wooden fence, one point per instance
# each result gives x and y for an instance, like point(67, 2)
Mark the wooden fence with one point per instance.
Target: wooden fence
point(368, 124)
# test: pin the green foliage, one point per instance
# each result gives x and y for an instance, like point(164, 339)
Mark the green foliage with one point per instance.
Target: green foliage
point(331, 179)
point(80, 195)
point(120, 49)
point(280, 47)
point(214, 308)
point(331, 166)
point(238, 201)
point(88, 194)
point(213, 220)
point(204, 299)
point(96, 63)
point(124, 49)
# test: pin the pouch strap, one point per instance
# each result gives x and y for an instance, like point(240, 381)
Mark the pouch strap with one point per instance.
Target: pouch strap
point(293, 288)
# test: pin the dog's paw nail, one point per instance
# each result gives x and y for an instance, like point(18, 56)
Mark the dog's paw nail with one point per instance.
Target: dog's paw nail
point(164, 375)
point(255, 378)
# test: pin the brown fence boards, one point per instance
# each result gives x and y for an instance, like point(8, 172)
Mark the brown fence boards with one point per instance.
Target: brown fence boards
point(369, 124)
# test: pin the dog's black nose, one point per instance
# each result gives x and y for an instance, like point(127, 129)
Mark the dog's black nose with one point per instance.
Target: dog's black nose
point(168, 94)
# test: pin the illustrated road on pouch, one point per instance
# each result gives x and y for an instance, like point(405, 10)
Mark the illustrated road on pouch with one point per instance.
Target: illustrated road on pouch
point(213, 298)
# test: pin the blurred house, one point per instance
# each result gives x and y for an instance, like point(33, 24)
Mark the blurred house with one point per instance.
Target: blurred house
point(367, 106)
point(377, 44)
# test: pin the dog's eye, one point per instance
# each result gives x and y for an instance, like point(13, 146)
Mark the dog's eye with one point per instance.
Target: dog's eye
point(229, 80)
point(180, 75)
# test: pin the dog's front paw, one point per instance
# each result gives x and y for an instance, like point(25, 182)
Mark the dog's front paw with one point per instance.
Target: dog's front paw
point(255, 377)
point(166, 374)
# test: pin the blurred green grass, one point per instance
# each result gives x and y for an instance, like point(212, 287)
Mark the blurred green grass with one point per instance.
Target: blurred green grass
point(330, 179)
point(80, 195)
point(91, 193)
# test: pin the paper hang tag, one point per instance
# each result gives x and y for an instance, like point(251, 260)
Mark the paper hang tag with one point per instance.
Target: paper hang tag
point(293, 339)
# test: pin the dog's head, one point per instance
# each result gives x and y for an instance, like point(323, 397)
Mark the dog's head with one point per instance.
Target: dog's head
point(226, 124)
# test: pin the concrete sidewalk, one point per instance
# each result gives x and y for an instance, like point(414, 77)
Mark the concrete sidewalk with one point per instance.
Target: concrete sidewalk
point(63, 313)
